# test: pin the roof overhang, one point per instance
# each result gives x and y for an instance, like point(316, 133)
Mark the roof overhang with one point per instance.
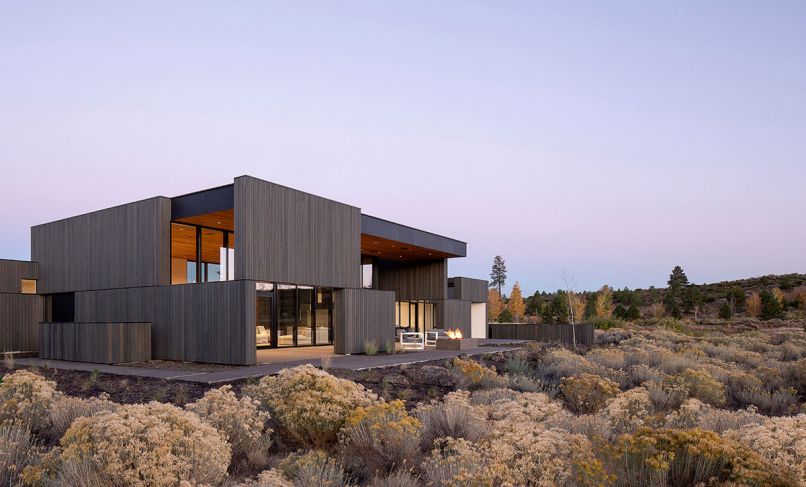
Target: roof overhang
point(393, 240)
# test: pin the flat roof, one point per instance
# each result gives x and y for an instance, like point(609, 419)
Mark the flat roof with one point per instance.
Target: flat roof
point(378, 227)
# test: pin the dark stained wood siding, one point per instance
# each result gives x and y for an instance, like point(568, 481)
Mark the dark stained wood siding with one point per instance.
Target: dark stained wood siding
point(285, 235)
point(467, 289)
point(124, 246)
point(20, 315)
point(453, 314)
point(12, 272)
point(362, 315)
point(414, 280)
point(211, 322)
point(102, 343)
point(543, 333)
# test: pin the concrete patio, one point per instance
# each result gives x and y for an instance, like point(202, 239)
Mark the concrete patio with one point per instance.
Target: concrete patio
point(274, 360)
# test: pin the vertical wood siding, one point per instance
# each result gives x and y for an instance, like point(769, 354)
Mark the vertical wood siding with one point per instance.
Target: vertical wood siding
point(414, 280)
point(544, 333)
point(466, 289)
point(20, 315)
point(285, 235)
point(362, 315)
point(453, 314)
point(124, 246)
point(12, 272)
point(101, 343)
point(211, 322)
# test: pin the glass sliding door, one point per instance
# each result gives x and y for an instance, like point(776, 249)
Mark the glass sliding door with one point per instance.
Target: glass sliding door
point(305, 325)
point(286, 315)
point(324, 316)
point(265, 328)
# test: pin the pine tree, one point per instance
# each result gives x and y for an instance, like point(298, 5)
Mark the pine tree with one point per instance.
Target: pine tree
point(770, 306)
point(534, 304)
point(590, 305)
point(505, 317)
point(677, 283)
point(498, 275)
point(516, 305)
point(633, 313)
point(725, 311)
point(677, 279)
point(693, 300)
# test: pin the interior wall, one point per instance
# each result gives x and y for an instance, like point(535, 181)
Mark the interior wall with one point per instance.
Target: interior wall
point(478, 320)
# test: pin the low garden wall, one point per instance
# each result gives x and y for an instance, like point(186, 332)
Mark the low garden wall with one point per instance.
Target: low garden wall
point(543, 333)
point(102, 343)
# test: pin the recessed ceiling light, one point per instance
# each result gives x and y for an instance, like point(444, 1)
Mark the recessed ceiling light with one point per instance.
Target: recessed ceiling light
point(400, 256)
point(218, 222)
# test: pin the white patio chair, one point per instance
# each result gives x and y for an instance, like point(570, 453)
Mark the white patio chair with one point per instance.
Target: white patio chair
point(431, 338)
point(411, 340)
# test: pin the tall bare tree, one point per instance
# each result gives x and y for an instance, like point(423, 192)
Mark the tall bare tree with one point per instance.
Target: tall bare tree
point(570, 283)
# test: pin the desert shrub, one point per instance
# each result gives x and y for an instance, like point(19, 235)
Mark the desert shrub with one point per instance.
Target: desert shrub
point(25, 399)
point(458, 463)
point(613, 336)
point(314, 468)
point(518, 364)
point(772, 403)
point(782, 441)
point(629, 410)
point(796, 375)
point(266, 478)
point(686, 457)
point(605, 322)
point(148, 445)
point(309, 404)
point(523, 383)
point(523, 408)
point(701, 385)
point(489, 396)
point(371, 347)
point(398, 478)
point(612, 358)
point(587, 393)
point(67, 409)
point(17, 451)
point(380, 438)
point(638, 374)
point(470, 373)
point(79, 472)
point(453, 417)
point(693, 413)
point(241, 421)
point(672, 363)
point(665, 395)
point(561, 363)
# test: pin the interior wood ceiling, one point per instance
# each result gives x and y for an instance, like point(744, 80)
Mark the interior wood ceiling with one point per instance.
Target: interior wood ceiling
point(183, 243)
point(223, 220)
point(394, 250)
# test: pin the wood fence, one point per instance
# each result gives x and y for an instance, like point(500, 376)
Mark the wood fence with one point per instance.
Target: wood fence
point(543, 333)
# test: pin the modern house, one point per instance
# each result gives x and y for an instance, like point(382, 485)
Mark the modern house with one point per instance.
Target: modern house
point(216, 275)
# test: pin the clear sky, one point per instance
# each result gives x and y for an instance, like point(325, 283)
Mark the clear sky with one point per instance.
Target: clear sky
point(610, 139)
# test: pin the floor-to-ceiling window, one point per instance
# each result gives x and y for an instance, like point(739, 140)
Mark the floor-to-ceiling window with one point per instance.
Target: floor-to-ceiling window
point(294, 316)
point(201, 254)
point(414, 315)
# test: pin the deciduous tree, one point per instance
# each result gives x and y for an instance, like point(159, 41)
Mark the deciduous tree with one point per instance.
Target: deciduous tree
point(753, 305)
point(516, 305)
point(604, 302)
point(494, 304)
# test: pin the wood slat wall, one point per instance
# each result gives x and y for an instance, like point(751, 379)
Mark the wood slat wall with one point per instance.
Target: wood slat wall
point(20, 315)
point(543, 333)
point(124, 246)
point(101, 343)
point(453, 314)
point(467, 289)
point(210, 322)
point(361, 315)
point(12, 272)
point(414, 280)
point(285, 235)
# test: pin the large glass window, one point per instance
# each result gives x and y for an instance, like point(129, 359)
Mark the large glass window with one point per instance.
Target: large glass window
point(289, 315)
point(200, 254)
point(414, 315)
point(183, 253)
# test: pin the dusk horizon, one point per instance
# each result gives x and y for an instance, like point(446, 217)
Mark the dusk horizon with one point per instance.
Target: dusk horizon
point(610, 142)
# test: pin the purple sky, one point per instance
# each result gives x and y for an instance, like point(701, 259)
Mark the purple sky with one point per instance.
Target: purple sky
point(613, 140)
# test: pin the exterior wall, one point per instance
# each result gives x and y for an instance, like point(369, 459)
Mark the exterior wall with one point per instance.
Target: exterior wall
point(478, 320)
point(20, 315)
point(285, 235)
point(124, 246)
point(453, 314)
point(467, 289)
point(361, 315)
point(209, 322)
point(12, 272)
point(105, 343)
point(414, 280)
